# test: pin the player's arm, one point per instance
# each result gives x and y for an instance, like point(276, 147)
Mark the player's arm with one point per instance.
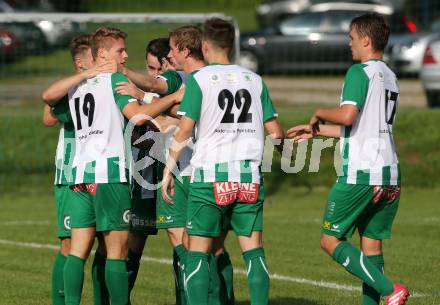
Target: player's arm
point(180, 140)
point(152, 109)
point(146, 82)
point(354, 94)
point(49, 119)
point(53, 94)
point(275, 132)
point(304, 132)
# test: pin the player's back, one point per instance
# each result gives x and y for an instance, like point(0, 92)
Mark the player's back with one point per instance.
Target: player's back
point(99, 126)
point(370, 138)
point(230, 127)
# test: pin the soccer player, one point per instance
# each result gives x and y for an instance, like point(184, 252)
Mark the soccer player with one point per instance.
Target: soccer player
point(143, 214)
point(100, 189)
point(366, 195)
point(80, 50)
point(230, 107)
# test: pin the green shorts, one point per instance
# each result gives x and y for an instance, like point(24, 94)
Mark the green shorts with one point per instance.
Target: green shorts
point(173, 215)
point(62, 206)
point(104, 206)
point(213, 207)
point(351, 206)
point(143, 216)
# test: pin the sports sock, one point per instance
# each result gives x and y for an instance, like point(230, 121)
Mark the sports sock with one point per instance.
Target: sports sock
point(214, 281)
point(258, 276)
point(360, 266)
point(73, 279)
point(116, 278)
point(369, 295)
point(100, 291)
point(58, 279)
point(133, 264)
point(179, 258)
point(197, 278)
point(226, 274)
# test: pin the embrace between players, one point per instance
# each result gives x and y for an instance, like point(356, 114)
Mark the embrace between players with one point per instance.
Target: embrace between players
point(209, 169)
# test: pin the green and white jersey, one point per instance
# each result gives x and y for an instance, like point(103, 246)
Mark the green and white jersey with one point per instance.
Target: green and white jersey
point(230, 105)
point(64, 155)
point(367, 147)
point(176, 80)
point(101, 153)
point(66, 144)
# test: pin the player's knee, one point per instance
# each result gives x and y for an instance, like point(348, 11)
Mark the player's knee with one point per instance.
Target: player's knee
point(65, 246)
point(326, 244)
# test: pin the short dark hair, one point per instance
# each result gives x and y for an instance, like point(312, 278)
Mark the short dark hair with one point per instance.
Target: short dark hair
point(220, 32)
point(373, 26)
point(80, 44)
point(159, 47)
point(102, 36)
point(189, 37)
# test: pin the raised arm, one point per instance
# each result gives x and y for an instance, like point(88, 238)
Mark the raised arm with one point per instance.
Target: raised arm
point(52, 94)
point(146, 82)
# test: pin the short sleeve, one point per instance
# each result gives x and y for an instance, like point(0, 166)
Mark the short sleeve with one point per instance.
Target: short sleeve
point(61, 110)
point(192, 99)
point(355, 87)
point(173, 79)
point(269, 110)
point(121, 100)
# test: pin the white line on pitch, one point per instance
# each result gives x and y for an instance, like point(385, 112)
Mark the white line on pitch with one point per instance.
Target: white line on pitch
point(165, 261)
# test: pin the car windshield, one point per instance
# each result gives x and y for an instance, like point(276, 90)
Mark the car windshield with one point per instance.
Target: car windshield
point(302, 24)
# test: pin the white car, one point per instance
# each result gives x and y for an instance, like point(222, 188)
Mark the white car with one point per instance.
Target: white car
point(430, 72)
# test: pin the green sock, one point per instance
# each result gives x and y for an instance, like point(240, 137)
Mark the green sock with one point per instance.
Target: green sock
point(258, 276)
point(197, 278)
point(58, 279)
point(369, 295)
point(179, 258)
point(133, 264)
point(214, 281)
point(354, 262)
point(116, 278)
point(100, 291)
point(73, 279)
point(226, 274)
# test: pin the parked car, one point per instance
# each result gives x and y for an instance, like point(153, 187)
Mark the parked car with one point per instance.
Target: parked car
point(55, 34)
point(430, 72)
point(314, 40)
point(8, 46)
point(29, 36)
point(404, 53)
point(273, 11)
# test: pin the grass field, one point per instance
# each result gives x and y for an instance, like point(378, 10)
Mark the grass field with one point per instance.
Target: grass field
point(302, 274)
point(292, 221)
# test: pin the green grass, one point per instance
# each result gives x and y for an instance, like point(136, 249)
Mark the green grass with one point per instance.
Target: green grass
point(292, 221)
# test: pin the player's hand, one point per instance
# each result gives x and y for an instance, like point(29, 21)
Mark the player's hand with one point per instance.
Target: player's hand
point(122, 69)
point(314, 125)
point(109, 66)
point(300, 133)
point(168, 186)
point(167, 64)
point(128, 88)
point(179, 95)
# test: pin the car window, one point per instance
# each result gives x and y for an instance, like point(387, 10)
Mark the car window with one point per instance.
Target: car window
point(338, 21)
point(302, 24)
